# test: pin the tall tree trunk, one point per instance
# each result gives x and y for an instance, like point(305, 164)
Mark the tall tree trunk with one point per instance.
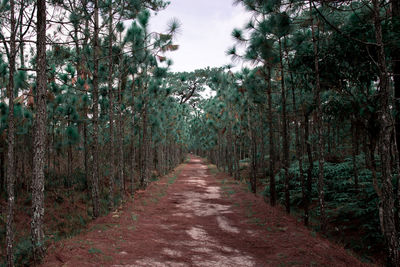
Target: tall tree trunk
point(317, 99)
point(396, 67)
point(308, 189)
point(11, 143)
point(299, 146)
point(230, 157)
point(120, 139)
point(133, 160)
point(386, 127)
point(253, 153)
point(236, 159)
point(143, 150)
point(39, 138)
point(111, 108)
point(272, 190)
point(2, 166)
point(285, 136)
point(396, 81)
point(95, 134)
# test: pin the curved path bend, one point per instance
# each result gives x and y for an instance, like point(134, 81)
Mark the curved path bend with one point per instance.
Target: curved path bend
point(195, 217)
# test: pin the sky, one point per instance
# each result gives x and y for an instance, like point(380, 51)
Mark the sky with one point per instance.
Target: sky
point(205, 34)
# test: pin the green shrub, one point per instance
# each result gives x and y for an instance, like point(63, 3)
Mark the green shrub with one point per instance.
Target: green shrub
point(348, 208)
point(23, 252)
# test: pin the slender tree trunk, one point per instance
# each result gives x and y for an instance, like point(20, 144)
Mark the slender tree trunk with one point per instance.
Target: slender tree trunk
point(396, 80)
point(354, 153)
point(253, 153)
point(133, 160)
point(95, 134)
point(386, 126)
point(120, 140)
point(79, 70)
point(11, 143)
point(272, 190)
point(120, 151)
point(317, 96)
point(236, 159)
point(396, 67)
point(299, 147)
point(308, 190)
point(285, 136)
point(111, 108)
point(143, 150)
point(229, 157)
point(2, 167)
point(39, 138)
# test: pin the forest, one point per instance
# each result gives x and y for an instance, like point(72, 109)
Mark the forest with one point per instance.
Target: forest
point(91, 116)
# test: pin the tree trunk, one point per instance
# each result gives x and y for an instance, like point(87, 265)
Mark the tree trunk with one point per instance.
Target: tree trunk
point(143, 154)
point(236, 159)
point(354, 153)
point(229, 157)
point(111, 108)
point(272, 190)
point(39, 138)
point(285, 136)
point(386, 132)
point(299, 146)
point(253, 153)
point(120, 139)
point(308, 189)
point(396, 67)
point(95, 134)
point(317, 99)
point(11, 144)
point(133, 160)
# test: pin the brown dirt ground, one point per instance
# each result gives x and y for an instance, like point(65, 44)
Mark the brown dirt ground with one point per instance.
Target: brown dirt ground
point(197, 219)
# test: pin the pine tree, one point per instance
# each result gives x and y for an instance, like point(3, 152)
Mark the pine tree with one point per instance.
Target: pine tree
point(11, 140)
point(39, 137)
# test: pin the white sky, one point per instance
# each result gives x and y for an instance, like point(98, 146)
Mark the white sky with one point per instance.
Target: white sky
point(205, 32)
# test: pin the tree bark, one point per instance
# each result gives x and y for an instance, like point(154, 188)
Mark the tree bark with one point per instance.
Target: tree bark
point(396, 67)
point(285, 136)
point(95, 134)
point(39, 138)
point(386, 132)
point(272, 190)
point(308, 189)
point(317, 100)
point(120, 143)
point(133, 158)
point(111, 109)
point(253, 153)
point(11, 143)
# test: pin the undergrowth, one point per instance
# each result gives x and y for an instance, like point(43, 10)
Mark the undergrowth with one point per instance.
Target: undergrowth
point(352, 212)
point(68, 211)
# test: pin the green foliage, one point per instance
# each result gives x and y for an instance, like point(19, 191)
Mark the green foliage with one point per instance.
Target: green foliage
point(95, 251)
point(72, 135)
point(345, 204)
point(23, 252)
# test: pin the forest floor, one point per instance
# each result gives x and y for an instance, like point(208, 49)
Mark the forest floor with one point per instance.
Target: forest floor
point(197, 217)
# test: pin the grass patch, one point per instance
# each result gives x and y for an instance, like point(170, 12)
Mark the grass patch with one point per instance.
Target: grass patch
point(94, 250)
point(228, 191)
point(257, 221)
point(134, 217)
point(172, 179)
point(212, 168)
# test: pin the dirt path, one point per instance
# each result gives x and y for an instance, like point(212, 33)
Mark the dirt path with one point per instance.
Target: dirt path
point(197, 218)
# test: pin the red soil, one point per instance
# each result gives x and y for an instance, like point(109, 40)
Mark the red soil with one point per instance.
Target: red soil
point(201, 219)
